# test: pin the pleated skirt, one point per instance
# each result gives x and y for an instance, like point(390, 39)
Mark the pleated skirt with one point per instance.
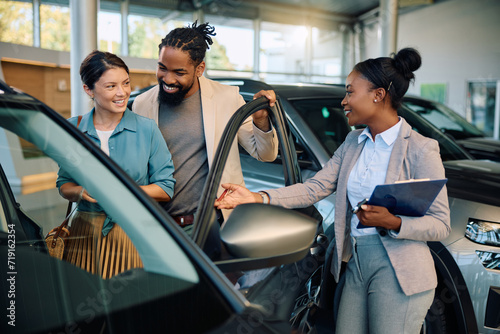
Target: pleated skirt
point(106, 255)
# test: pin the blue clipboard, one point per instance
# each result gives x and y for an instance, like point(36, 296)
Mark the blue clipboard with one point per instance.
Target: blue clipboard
point(412, 198)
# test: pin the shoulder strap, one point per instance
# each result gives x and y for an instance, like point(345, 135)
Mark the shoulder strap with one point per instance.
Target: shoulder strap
point(79, 120)
point(64, 224)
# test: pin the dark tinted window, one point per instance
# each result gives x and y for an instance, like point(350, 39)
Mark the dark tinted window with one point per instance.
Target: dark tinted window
point(444, 118)
point(449, 149)
point(326, 118)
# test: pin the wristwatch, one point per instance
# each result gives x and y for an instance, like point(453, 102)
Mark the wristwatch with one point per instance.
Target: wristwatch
point(265, 197)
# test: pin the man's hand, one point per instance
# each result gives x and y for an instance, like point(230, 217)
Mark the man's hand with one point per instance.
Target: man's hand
point(269, 94)
point(260, 118)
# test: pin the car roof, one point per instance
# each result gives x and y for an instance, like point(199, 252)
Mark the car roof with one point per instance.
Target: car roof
point(303, 91)
point(290, 91)
point(417, 99)
point(421, 101)
point(245, 85)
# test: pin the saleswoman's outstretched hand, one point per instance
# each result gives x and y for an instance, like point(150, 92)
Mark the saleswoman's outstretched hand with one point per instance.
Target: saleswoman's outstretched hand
point(235, 195)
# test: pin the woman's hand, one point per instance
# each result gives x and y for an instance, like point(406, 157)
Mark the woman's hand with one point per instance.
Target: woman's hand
point(84, 195)
point(372, 215)
point(235, 195)
point(75, 193)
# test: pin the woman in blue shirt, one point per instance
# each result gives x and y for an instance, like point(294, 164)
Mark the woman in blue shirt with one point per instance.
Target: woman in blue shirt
point(135, 143)
point(390, 274)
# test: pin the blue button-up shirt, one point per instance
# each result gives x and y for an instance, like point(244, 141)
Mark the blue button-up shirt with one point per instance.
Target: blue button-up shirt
point(137, 146)
point(370, 170)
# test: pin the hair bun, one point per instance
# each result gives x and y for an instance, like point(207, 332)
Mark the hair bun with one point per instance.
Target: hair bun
point(407, 61)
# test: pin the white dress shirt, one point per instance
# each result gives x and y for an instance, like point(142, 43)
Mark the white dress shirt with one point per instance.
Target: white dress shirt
point(370, 170)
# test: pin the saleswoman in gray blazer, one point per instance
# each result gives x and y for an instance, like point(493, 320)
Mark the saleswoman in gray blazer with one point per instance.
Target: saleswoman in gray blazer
point(390, 275)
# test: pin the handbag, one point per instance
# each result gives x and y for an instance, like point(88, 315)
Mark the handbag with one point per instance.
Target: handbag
point(56, 238)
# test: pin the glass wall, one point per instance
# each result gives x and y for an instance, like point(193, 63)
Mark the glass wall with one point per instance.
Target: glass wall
point(232, 50)
point(326, 59)
point(145, 33)
point(282, 51)
point(109, 32)
point(16, 22)
point(55, 28)
point(287, 52)
point(482, 106)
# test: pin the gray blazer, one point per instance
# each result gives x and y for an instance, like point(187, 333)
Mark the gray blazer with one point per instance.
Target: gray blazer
point(414, 156)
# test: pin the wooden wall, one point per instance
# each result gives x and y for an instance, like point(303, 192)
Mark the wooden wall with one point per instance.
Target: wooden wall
point(51, 84)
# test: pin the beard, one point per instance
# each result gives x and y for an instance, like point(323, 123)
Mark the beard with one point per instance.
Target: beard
point(172, 99)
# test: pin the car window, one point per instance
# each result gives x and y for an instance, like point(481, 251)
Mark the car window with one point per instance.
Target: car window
point(449, 149)
point(260, 175)
point(305, 157)
point(434, 116)
point(326, 118)
point(53, 294)
point(444, 118)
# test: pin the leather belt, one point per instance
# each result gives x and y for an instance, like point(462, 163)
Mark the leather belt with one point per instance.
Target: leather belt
point(184, 220)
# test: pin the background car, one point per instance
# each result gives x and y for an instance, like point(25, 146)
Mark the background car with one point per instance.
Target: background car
point(449, 122)
point(179, 290)
point(467, 262)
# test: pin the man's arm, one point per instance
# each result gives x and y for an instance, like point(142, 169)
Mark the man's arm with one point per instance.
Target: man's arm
point(256, 134)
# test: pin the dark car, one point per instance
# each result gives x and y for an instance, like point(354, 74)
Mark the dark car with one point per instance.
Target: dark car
point(449, 122)
point(463, 303)
point(179, 290)
point(467, 262)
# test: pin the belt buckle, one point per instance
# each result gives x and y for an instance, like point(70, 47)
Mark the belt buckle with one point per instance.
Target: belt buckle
point(183, 220)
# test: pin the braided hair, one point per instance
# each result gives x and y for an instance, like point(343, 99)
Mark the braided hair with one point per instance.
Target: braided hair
point(194, 39)
point(394, 73)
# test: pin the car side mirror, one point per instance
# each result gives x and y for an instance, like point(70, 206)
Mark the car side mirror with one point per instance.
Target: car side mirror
point(258, 236)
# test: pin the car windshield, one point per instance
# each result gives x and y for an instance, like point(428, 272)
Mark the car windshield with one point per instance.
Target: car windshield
point(34, 143)
point(444, 118)
point(449, 149)
point(325, 116)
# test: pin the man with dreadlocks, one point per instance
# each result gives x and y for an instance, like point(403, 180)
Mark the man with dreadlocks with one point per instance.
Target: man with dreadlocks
point(192, 112)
